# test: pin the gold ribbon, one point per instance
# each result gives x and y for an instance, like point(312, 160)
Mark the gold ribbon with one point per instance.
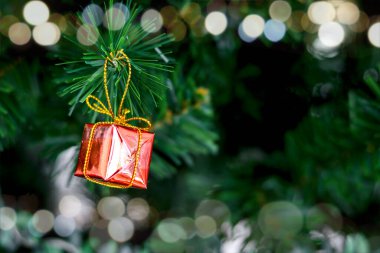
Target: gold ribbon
point(119, 119)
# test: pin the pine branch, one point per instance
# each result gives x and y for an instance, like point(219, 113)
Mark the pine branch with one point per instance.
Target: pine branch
point(84, 64)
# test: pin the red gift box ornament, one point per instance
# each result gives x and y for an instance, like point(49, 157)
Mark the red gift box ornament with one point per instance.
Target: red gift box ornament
point(115, 154)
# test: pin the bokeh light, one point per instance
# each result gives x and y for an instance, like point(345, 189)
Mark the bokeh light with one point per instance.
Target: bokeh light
point(86, 217)
point(111, 207)
point(362, 24)
point(138, 209)
point(206, 226)
point(93, 14)
point(170, 231)
point(191, 12)
point(8, 218)
point(19, 33)
point(320, 51)
point(188, 225)
point(295, 21)
point(274, 30)
point(348, 13)
point(178, 30)
point(6, 22)
point(36, 12)
point(307, 25)
point(87, 35)
point(331, 34)
point(243, 36)
point(197, 28)
point(321, 12)
point(251, 27)
point(280, 10)
point(46, 34)
point(323, 215)
point(64, 226)
point(43, 221)
point(114, 19)
point(151, 21)
point(70, 206)
point(215, 209)
point(123, 8)
point(59, 20)
point(216, 22)
point(71, 20)
point(374, 34)
point(280, 219)
point(120, 229)
point(169, 15)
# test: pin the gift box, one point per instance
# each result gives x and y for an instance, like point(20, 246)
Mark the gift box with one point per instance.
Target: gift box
point(112, 155)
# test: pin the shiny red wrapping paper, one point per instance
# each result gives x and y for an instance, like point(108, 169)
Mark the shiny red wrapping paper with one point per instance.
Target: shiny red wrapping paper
point(113, 153)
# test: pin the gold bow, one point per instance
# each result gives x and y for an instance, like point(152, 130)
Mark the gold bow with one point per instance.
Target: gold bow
point(119, 119)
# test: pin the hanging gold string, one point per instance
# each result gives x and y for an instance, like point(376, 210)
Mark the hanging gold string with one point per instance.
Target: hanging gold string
point(120, 119)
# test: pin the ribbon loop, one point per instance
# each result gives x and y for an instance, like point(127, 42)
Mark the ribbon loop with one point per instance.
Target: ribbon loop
point(147, 122)
point(99, 107)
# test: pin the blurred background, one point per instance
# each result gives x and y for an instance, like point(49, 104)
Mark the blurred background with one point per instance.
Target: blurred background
point(267, 136)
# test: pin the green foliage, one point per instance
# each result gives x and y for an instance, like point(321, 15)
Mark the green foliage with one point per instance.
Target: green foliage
point(185, 127)
point(331, 153)
point(84, 64)
point(182, 123)
point(18, 99)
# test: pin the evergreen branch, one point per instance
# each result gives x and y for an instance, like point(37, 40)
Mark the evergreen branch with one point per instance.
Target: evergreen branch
point(83, 64)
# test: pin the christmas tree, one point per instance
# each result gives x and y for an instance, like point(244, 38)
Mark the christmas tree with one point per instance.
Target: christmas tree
point(265, 115)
